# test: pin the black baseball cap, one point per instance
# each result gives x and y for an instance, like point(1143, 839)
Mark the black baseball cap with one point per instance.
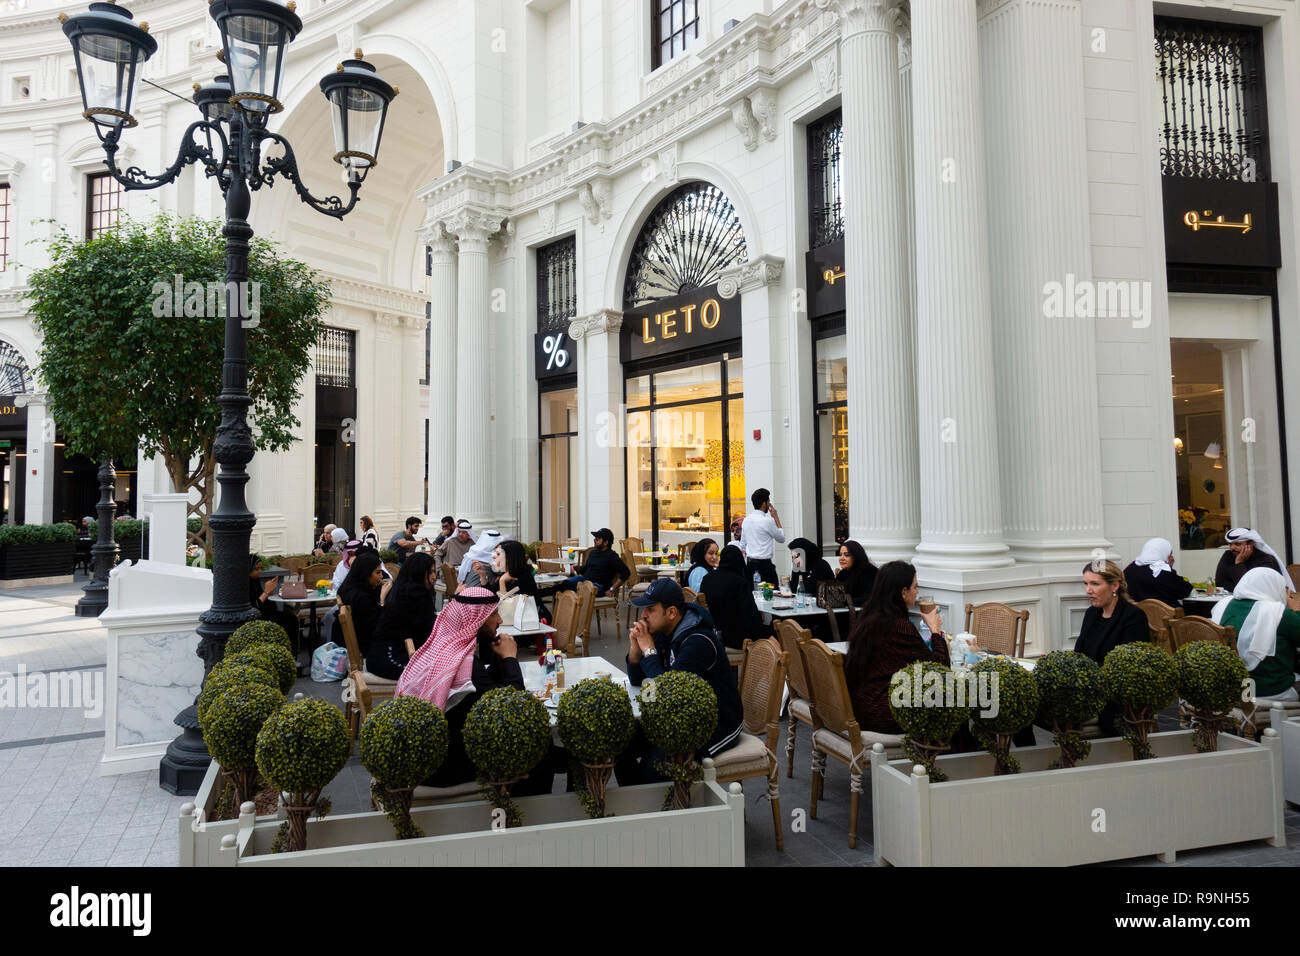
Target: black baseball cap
point(665, 591)
point(604, 533)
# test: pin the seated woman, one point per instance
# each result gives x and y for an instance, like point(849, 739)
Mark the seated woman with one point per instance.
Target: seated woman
point(856, 573)
point(809, 567)
point(704, 558)
point(510, 564)
point(1268, 631)
point(1113, 619)
point(463, 660)
point(1152, 575)
point(345, 565)
point(407, 613)
point(730, 597)
point(259, 595)
point(884, 641)
point(363, 592)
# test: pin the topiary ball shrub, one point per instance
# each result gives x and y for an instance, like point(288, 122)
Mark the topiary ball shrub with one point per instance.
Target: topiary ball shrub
point(300, 749)
point(1015, 693)
point(231, 673)
point(272, 657)
point(595, 724)
point(1069, 695)
point(257, 632)
point(679, 713)
point(403, 741)
point(507, 733)
point(1141, 680)
point(230, 728)
point(931, 703)
point(1213, 680)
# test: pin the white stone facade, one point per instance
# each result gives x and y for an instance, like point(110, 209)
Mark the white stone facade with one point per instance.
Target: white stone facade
point(990, 147)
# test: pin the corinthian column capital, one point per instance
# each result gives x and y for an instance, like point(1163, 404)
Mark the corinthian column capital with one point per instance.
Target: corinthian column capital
point(474, 227)
point(864, 16)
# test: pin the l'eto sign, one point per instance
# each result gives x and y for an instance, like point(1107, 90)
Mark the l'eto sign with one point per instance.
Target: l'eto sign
point(680, 323)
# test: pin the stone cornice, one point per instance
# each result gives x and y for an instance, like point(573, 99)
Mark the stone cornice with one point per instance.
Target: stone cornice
point(748, 276)
point(604, 321)
point(381, 299)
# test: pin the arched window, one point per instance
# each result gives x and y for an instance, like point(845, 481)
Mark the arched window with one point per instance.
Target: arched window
point(691, 236)
point(15, 376)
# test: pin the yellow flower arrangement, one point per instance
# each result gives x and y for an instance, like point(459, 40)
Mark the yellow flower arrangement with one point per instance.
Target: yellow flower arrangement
point(1186, 516)
point(323, 583)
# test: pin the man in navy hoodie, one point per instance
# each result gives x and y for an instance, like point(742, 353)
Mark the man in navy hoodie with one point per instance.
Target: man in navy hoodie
point(673, 635)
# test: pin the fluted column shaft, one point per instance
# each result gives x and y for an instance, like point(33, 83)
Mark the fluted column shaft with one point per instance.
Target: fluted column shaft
point(961, 514)
point(884, 511)
point(471, 455)
point(1039, 228)
point(442, 373)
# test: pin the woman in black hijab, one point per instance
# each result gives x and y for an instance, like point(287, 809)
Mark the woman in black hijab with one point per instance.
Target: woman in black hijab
point(704, 558)
point(730, 596)
point(362, 592)
point(407, 612)
point(857, 573)
point(259, 595)
point(810, 567)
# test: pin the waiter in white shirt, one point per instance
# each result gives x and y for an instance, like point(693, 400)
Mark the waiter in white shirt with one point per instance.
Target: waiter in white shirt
point(759, 535)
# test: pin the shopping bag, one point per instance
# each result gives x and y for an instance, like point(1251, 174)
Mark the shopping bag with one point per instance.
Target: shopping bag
point(329, 662)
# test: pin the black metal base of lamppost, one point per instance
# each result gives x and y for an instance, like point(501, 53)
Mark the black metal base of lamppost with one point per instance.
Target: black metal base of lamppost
point(183, 767)
point(103, 553)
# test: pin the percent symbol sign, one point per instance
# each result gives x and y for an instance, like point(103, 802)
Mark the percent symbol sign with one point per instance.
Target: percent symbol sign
point(556, 355)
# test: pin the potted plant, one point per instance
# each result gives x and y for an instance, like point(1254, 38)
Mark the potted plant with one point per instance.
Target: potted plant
point(928, 720)
point(1141, 680)
point(507, 733)
point(1016, 694)
point(272, 657)
point(1069, 695)
point(403, 741)
point(230, 728)
point(679, 713)
point(300, 749)
point(595, 724)
point(36, 550)
point(1211, 679)
point(233, 672)
point(257, 632)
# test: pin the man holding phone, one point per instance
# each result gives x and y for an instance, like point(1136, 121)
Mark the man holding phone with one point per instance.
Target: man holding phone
point(759, 535)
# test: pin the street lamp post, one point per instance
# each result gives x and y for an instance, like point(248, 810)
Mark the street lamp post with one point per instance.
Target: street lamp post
point(109, 47)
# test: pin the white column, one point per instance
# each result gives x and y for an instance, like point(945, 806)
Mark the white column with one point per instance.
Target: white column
point(167, 536)
point(961, 513)
point(1038, 225)
point(474, 429)
point(884, 513)
point(410, 500)
point(442, 370)
point(38, 466)
point(600, 424)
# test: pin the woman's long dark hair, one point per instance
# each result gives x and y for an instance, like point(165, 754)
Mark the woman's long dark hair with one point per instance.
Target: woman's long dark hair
point(882, 612)
point(358, 579)
point(412, 582)
point(517, 562)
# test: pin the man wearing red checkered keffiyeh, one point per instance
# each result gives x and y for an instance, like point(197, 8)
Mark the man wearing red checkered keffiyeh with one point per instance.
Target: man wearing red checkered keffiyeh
point(442, 668)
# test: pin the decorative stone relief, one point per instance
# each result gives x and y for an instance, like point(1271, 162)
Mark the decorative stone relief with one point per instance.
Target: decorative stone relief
point(763, 104)
point(668, 157)
point(347, 38)
point(547, 217)
point(743, 116)
point(747, 276)
point(827, 70)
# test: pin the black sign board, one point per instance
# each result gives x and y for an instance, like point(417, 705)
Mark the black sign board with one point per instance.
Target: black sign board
point(11, 416)
point(554, 354)
point(680, 323)
point(825, 267)
point(1221, 222)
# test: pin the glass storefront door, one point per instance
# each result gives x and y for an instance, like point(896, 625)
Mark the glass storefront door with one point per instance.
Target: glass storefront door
point(685, 452)
point(832, 437)
point(557, 462)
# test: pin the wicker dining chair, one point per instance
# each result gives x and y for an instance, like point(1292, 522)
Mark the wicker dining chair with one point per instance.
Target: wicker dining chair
point(1184, 630)
point(317, 572)
point(1294, 571)
point(609, 601)
point(754, 754)
point(629, 547)
point(378, 688)
point(295, 564)
point(1158, 615)
point(1000, 629)
point(586, 592)
point(790, 634)
point(450, 581)
point(565, 621)
point(835, 729)
point(548, 549)
point(835, 597)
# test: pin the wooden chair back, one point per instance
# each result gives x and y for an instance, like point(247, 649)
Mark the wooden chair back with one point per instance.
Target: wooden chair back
point(1158, 612)
point(699, 599)
point(566, 620)
point(692, 597)
point(548, 549)
point(762, 677)
point(449, 580)
point(586, 592)
point(332, 558)
point(999, 628)
point(365, 697)
point(790, 634)
point(832, 706)
point(835, 597)
point(393, 568)
point(1184, 630)
point(1294, 571)
point(355, 661)
point(295, 563)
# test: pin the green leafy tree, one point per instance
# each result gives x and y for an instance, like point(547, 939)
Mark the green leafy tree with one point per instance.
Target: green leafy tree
point(127, 361)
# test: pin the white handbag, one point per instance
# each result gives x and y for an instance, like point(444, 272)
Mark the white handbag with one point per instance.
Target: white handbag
point(520, 612)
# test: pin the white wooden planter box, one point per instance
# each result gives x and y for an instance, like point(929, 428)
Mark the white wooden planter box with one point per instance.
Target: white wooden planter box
point(1291, 756)
point(200, 838)
point(556, 833)
point(1109, 807)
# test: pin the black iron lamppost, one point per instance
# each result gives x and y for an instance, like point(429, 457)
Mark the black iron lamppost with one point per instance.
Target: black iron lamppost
point(109, 47)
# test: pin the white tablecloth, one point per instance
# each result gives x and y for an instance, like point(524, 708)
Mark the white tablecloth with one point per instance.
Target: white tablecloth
point(576, 669)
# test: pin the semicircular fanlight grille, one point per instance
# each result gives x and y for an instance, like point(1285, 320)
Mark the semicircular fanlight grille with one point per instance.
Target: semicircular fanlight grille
point(691, 236)
point(15, 376)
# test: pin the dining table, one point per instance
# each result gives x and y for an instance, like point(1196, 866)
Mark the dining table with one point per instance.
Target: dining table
point(539, 631)
point(1200, 603)
point(783, 608)
point(313, 600)
point(577, 669)
point(1026, 662)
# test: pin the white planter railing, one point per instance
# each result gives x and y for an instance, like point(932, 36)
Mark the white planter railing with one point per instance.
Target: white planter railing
point(1290, 729)
point(556, 833)
point(1109, 807)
